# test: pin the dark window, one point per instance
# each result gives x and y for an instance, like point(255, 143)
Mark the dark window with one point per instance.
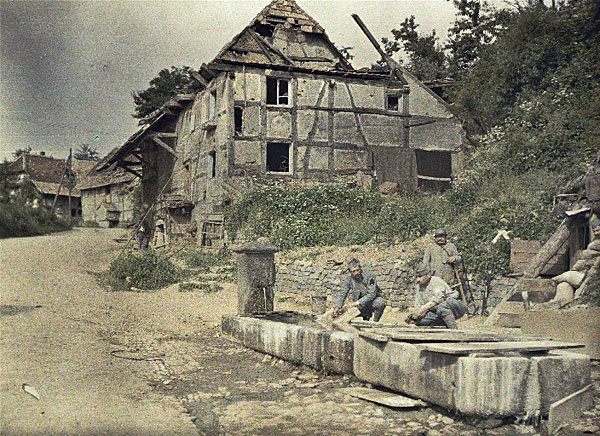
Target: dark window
point(434, 170)
point(278, 157)
point(393, 103)
point(277, 91)
point(212, 164)
point(237, 115)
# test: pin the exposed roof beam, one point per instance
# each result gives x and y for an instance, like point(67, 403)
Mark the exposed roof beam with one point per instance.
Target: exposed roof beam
point(164, 145)
point(129, 170)
point(164, 134)
point(198, 78)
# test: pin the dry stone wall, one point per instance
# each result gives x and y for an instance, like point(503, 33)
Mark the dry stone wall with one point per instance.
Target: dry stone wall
point(313, 274)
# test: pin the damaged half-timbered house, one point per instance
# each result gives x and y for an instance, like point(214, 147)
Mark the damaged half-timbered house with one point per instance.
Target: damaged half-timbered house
point(280, 102)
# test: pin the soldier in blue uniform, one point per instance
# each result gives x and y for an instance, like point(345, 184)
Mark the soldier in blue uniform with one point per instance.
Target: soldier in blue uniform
point(364, 292)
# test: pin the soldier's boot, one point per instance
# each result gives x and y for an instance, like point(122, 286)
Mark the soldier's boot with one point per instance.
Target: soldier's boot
point(450, 321)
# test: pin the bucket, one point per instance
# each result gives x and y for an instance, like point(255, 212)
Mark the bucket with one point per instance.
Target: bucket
point(318, 304)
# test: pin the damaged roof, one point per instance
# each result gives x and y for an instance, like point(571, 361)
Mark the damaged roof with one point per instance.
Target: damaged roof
point(111, 175)
point(46, 172)
point(284, 34)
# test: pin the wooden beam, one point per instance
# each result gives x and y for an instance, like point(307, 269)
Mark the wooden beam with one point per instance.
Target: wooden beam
point(165, 134)
point(536, 266)
point(198, 78)
point(129, 170)
point(164, 145)
point(141, 159)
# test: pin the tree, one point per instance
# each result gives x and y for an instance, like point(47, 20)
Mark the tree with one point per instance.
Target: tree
point(426, 57)
point(476, 26)
point(162, 88)
point(19, 151)
point(86, 152)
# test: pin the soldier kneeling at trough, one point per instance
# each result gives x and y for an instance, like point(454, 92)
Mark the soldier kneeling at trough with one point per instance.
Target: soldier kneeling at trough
point(364, 293)
point(440, 304)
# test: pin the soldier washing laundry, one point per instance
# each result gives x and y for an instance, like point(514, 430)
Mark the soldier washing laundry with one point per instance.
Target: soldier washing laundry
point(442, 258)
point(364, 293)
point(438, 303)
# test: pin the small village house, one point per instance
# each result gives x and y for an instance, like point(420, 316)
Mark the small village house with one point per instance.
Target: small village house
point(107, 196)
point(281, 103)
point(46, 173)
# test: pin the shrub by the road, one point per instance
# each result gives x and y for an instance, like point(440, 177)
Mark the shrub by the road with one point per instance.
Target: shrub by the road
point(146, 269)
point(19, 219)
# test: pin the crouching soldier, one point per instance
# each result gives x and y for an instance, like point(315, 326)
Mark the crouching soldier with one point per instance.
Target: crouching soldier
point(440, 304)
point(364, 293)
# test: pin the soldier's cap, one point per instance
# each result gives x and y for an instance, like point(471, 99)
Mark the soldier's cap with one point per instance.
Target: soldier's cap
point(422, 269)
point(440, 232)
point(353, 263)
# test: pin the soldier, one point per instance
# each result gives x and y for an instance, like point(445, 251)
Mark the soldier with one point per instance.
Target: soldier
point(442, 258)
point(364, 292)
point(438, 303)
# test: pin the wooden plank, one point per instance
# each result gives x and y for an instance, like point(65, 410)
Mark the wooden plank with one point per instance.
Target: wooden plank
point(569, 408)
point(499, 347)
point(388, 399)
point(374, 336)
point(550, 248)
point(163, 145)
point(429, 337)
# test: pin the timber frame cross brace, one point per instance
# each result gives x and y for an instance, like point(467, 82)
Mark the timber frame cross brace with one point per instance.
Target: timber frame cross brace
point(156, 137)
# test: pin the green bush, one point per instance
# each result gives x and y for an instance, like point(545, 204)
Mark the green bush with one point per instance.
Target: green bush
point(202, 260)
point(306, 216)
point(19, 219)
point(146, 269)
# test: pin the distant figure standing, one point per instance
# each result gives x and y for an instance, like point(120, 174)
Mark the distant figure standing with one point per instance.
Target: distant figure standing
point(142, 236)
point(441, 257)
point(364, 292)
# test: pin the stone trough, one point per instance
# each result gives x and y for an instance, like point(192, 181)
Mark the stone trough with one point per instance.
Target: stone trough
point(474, 373)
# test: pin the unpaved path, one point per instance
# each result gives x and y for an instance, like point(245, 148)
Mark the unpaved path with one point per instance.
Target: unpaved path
point(53, 325)
point(155, 363)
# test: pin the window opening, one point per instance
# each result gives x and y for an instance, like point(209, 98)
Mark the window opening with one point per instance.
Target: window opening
point(434, 170)
point(277, 91)
point(265, 30)
point(278, 157)
point(237, 115)
point(212, 164)
point(393, 103)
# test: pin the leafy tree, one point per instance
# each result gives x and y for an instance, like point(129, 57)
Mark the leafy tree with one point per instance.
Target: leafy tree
point(162, 88)
point(476, 26)
point(19, 151)
point(427, 59)
point(86, 152)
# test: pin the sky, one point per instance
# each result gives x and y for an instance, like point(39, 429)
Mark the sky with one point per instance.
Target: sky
point(68, 68)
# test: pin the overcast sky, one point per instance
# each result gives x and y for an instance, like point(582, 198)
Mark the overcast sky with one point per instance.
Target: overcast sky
point(68, 68)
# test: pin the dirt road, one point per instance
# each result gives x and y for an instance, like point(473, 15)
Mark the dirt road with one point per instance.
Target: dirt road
point(56, 326)
point(155, 363)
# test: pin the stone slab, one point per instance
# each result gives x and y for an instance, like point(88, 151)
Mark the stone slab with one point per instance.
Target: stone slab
point(388, 399)
point(328, 351)
point(497, 386)
point(569, 408)
point(498, 347)
point(573, 325)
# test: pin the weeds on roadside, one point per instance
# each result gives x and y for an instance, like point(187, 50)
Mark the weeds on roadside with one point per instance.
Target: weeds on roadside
point(144, 269)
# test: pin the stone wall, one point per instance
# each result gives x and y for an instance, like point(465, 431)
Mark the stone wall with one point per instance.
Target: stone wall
point(320, 272)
